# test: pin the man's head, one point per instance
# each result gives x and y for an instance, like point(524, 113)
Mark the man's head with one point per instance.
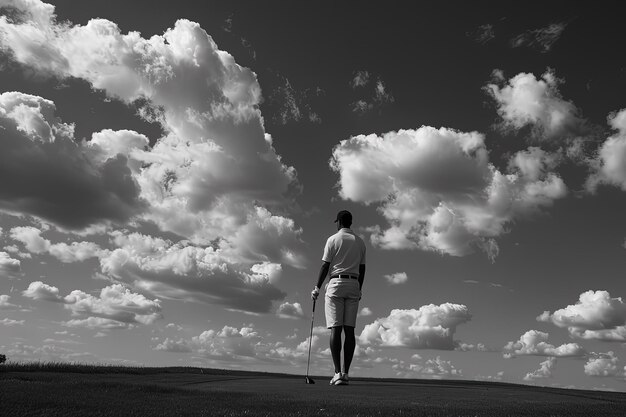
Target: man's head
point(344, 219)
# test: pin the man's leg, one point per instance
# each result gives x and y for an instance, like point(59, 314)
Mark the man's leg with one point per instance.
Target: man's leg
point(348, 348)
point(335, 346)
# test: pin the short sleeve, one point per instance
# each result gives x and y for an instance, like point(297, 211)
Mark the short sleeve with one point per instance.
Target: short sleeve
point(328, 253)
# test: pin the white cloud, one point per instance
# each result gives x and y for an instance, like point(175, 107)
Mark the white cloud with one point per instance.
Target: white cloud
point(535, 343)
point(365, 311)
point(438, 190)
point(545, 370)
point(596, 315)
point(74, 252)
point(214, 178)
point(5, 304)
point(528, 101)
point(542, 39)
point(10, 322)
point(290, 311)
point(37, 290)
point(603, 364)
point(609, 167)
point(170, 345)
point(9, 267)
point(429, 327)
point(436, 368)
point(397, 278)
point(483, 34)
point(116, 307)
point(194, 273)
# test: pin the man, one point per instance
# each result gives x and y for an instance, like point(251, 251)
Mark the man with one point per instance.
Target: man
point(344, 257)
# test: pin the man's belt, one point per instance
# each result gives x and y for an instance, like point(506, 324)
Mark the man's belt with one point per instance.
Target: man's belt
point(344, 276)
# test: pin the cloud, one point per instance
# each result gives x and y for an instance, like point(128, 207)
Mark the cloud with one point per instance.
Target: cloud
point(596, 315)
point(376, 99)
point(293, 105)
point(9, 267)
point(194, 273)
point(10, 322)
point(290, 311)
point(215, 164)
point(214, 178)
point(37, 290)
point(483, 34)
point(116, 307)
point(365, 311)
point(436, 368)
point(429, 327)
point(536, 102)
point(170, 345)
point(59, 182)
point(603, 364)
point(545, 370)
point(74, 252)
point(609, 166)
point(542, 39)
point(535, 343)
point(438, 190)
point(397, 278)
point(5, 304)
point(360, 79)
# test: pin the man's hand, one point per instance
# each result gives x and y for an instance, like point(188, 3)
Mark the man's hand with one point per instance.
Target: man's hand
point(315, 293)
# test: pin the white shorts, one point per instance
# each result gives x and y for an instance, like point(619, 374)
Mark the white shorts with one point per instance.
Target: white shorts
point(342, 302)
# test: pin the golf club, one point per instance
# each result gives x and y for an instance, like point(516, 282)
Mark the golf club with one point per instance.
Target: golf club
point(307, 379)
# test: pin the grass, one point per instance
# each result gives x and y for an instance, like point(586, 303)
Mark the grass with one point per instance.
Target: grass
point(55, 389)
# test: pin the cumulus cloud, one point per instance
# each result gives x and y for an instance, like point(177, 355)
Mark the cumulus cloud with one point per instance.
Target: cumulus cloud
point(116, 307)
point(9, 267)
point(59, 182)
point(438, 190)
point(189, 272)
point(596, 315)
point(436, 368)
point(542, 39)
point(290, 311)
point(430, 327)
point(216, 162)
point(365, 311)
point(603, 364)
point(397, 278)
point(35, 243)
point(214, 178)
point(5, 304)
point(609, 166)
point(545, 370)
point(171, 345)
point(535, 343)
point(526, 100)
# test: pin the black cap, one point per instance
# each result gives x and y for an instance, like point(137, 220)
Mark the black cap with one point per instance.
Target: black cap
point(344, 216)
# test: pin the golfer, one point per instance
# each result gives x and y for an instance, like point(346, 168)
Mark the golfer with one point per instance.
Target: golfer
point(344, 258)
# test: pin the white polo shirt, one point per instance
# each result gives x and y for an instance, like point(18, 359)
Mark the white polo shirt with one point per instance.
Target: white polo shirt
point(345, 251)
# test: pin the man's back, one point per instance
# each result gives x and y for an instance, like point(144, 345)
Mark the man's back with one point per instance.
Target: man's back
point(345, 251)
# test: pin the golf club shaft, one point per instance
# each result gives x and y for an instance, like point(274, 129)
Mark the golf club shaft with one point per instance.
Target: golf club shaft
point(310, 340)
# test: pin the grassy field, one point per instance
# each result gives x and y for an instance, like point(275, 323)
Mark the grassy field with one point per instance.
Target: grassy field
point(82, 390)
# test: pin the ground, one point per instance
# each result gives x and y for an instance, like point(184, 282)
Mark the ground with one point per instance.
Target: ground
point(194, 392)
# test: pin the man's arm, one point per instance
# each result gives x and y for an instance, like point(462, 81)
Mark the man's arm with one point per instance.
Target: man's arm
point(323, 273)
point(361, 275)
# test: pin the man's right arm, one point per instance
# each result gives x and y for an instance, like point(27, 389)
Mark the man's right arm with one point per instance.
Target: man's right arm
point(361, 275)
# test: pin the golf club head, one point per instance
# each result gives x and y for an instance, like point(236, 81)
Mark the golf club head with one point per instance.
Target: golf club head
point(309, 380)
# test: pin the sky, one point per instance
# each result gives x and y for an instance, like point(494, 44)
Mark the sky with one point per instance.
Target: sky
point(170, 171)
